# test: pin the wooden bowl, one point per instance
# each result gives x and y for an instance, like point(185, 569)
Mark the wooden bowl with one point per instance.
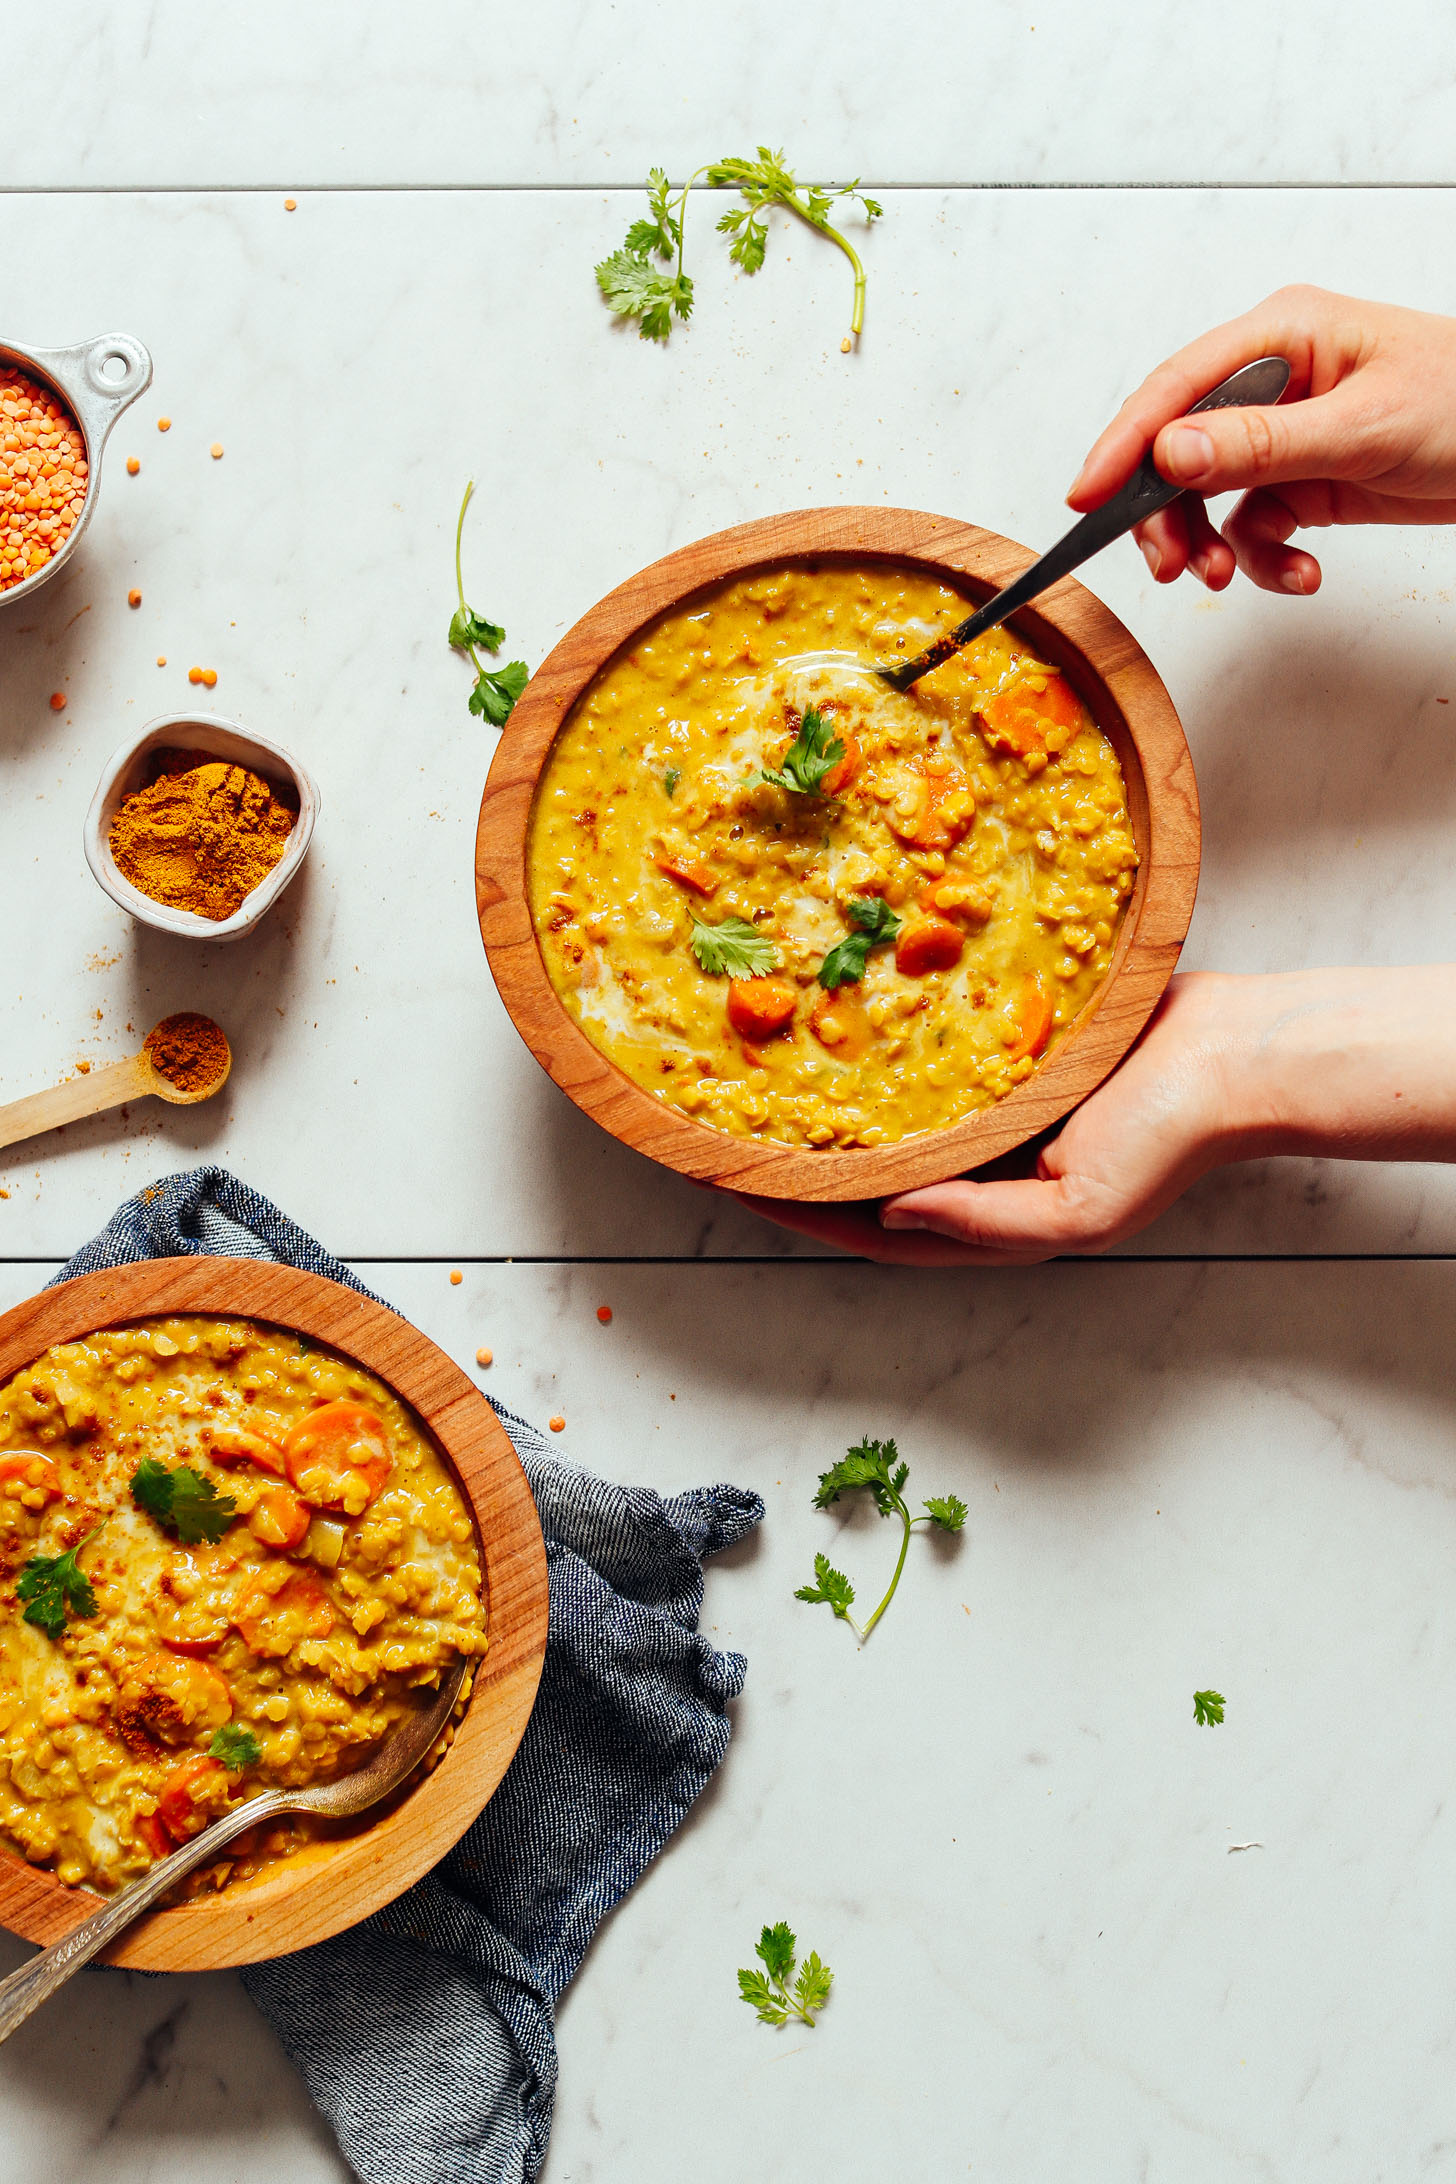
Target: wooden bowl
point(330, 1885)
point(1110, 672)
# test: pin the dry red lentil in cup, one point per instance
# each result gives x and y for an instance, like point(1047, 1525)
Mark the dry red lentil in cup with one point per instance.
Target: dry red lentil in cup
point(43, 475)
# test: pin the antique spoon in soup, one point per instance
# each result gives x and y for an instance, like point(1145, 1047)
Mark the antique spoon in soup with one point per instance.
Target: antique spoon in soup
point(398, 1755)
point(1258, 385)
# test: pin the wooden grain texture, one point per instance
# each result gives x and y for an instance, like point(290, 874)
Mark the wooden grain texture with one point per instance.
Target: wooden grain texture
point(1067, 626)
point(329, 1886)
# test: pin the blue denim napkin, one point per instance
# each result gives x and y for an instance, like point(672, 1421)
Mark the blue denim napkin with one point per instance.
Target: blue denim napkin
point(426, 2035)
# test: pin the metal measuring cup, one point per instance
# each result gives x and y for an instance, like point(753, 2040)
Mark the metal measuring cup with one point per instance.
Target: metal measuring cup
point(96, 380)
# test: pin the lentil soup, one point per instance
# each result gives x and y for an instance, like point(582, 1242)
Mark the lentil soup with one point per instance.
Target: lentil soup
point(970, 842)
point(203, 1669)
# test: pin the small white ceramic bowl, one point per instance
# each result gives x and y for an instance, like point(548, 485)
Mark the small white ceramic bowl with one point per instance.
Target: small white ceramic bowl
point(126, 771)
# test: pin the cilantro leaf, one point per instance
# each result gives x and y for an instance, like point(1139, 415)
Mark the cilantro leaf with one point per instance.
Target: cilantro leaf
point(814, 752)
point(771, 1997)
point(235, 1747)
point(832, 1587)
point(946, 1510)
point(1208, 1708)
point(775, 1950)
point(732, 948)
point(811, 1988)
point(760, 1996)
point(749, 238)
point(875, 922)
point(468, 628)
point(496, 691)
point(182, 1501)
point(671, 779)
point(635, 288)
point(876, 1467)
point(55, 1586)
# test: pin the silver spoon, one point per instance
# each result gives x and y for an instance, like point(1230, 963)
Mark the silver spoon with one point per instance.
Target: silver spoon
point(1257, 386)
point(396, 1757)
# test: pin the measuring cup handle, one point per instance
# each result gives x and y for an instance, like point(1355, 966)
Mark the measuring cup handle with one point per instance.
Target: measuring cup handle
point(97, 395)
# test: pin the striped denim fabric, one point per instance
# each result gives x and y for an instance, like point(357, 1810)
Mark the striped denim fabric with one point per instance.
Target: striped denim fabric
point(426, 2035)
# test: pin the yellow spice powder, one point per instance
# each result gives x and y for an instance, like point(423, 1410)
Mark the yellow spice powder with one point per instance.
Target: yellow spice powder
point(201, 836)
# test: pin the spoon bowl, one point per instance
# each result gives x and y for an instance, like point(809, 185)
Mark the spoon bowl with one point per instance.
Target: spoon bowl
point(134, 1079)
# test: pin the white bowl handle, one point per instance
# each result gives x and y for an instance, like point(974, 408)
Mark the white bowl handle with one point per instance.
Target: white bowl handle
point(98, 398)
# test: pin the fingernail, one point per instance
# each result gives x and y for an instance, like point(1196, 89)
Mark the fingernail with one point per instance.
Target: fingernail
point(900, 1217)
point(1072, 488)
point(1186, 453)
point(1198, 563)
point(1293, 580)
point(1151, 555)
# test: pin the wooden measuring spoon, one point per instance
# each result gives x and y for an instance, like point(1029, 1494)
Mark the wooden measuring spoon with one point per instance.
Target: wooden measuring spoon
point(139, 1078)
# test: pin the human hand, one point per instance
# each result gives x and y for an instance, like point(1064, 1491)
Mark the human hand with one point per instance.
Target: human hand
point(1357, 1064)
point(1365, 434)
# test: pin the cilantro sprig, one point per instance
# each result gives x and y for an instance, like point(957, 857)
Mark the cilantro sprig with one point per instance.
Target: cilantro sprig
point(875, 1466)
point(814, 752)
point(874, 922)
point(182, 1501)
point(1208, 1708)
point(732, 948)
point(636, 281)
point(54, 1587)
point(496, 689)
point(236, 1747)
point(772, 1997)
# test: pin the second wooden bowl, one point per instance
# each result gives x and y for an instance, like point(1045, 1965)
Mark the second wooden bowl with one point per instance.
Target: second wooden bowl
point(330, 1885)
point(1068, 627)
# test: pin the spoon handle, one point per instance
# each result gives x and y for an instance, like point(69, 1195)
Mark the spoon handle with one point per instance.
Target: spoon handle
point(1257, 385)
point(26, 1989)
point(90, 1095)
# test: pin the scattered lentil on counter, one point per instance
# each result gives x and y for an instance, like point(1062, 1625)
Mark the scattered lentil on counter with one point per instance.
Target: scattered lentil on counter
point(132, 466)
point(485, 1357)
point(604, 1314)
point(43, 476)
point(202, 834)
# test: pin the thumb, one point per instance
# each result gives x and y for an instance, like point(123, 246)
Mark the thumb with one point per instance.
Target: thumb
point(1223, 451)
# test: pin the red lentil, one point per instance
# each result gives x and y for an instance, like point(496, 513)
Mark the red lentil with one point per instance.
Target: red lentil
point(209, 677)
point(132, 466)
point(484, 1357)
point(164, 424)
point(456, 1277)
point(43, 476)
point(58, 701)
point(290, 204)
point(604, 1314)
point(133, 598)
point(557, 1424)
point(215, 451)
point(161, 659)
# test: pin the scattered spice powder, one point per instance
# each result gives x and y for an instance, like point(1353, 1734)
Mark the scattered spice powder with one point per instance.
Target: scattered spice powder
point(202, 835)
point(43, 476)
point(189, 1050)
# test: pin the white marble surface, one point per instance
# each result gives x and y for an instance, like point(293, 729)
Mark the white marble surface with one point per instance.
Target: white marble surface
point(998, 1823)
point(358, 359)
point(464, 92)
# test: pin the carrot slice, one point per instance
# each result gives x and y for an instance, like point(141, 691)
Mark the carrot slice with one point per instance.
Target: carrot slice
point(759, 1007)
point(1017, 719)
point(701, 878)
point(278, 1518)
point(240, 1445)
point(338, 1457)
point(932, 945)
point(1033, 1020)
point(192, 1795)
point(273, 1622)
point(844, 769)
point(31, 1473)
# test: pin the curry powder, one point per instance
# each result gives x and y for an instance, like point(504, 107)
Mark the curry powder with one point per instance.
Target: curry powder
point(202, 835)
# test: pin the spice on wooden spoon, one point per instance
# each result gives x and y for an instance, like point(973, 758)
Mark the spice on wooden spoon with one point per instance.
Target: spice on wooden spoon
point(183, 1059)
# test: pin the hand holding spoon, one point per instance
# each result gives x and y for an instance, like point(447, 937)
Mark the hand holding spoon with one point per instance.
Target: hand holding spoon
point(145, 1075)
point(396, 1758)
point(1258, 385)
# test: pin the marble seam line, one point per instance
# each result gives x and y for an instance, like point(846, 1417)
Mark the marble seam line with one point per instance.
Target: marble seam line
point(836, 1258)
point(617, 188)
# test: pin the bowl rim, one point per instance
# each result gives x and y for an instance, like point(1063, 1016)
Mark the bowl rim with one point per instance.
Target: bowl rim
point(1069, 627)
point(121, 775)
point(298, 1902)
point(75, 375)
